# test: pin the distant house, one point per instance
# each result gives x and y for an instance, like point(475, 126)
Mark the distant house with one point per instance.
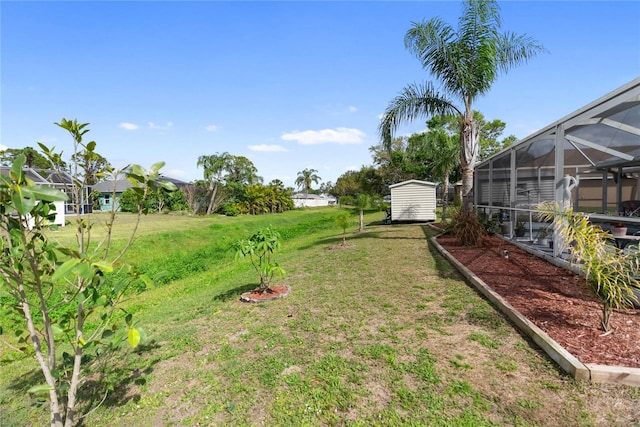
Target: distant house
point(110, 191)
point(60, 180)
point(313, 200)
point(413, 200)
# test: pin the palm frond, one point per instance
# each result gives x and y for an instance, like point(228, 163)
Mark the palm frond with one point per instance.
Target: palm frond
point(514, 49)
point(415, 100)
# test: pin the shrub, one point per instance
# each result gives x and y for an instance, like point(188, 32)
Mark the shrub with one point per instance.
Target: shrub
point(466, 226)
point(260, 249)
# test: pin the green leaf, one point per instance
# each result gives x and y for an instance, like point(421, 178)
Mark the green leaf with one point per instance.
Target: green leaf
point(104, 266)
point(134, 337)
point(40, 389)
point(137, 170)
point(56, 329)
point(21, 203)
point(168, 185)
point(128, 318)
point(84, 270)
point(64, 269)
point(16, 168)
point(49, 194)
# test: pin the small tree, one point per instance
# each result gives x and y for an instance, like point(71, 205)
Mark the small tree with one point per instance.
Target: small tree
point(260, 249)
point(610, 272)
point(344, 221)
point(62, 289)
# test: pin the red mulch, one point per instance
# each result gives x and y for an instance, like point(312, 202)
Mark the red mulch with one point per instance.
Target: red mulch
point(555, 300)
point(272, 292)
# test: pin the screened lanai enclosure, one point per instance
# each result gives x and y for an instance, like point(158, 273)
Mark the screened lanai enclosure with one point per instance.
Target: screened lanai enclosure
point(589, 159)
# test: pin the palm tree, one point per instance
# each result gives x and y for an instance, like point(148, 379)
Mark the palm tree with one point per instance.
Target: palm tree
point(466, 63)
point(305, 179)
point(444, 153)
point(214, 165)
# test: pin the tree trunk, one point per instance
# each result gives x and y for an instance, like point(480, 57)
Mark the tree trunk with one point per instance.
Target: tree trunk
point(361, 220)
point(54, 406)
point(214, 191)
point(445, 196)
point(606, 316)
point(468, 154)
point(70, 418)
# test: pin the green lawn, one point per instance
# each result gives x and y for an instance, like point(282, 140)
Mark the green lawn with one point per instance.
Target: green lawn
point(381, 333)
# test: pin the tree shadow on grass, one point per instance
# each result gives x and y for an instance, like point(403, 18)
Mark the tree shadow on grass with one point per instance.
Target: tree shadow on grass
point(113, 386)
point(235, 293)
point(337, 239)
point(444, 268)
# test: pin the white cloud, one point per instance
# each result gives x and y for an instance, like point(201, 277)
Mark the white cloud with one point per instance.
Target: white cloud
point(154, 126)
point(3, 147)
point(128, 126)
point(212, 128)
point(352, 109)
point(332, 136)
point(266, 147)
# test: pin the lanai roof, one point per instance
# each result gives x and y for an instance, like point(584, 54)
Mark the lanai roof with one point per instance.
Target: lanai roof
point(601, 135)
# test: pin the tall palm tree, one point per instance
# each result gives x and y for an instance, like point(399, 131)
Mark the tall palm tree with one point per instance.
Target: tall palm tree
point(214, 166)
point(305, 179)
point(466, 62)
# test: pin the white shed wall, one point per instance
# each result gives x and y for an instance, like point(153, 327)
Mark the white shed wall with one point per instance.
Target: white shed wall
point(413, 201)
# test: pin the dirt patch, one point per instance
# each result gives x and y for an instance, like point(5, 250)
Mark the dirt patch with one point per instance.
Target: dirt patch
point(554, 299)
point(259, 295)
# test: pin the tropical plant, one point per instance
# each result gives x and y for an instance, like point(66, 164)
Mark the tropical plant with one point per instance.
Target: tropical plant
point(260, 248)
point(444, 153)
point(61, 290)
point(214, 166)
point(466, 226)
point(305, 179)
point(344, 221)
point(466, 62)
point(611, 274)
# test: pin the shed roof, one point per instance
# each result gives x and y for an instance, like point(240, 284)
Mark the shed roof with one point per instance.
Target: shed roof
point(414, 181)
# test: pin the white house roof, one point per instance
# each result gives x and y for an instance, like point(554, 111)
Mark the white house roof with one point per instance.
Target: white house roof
point(414, 181)
point(313, 196)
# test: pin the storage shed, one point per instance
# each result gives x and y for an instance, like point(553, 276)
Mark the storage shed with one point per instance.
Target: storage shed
point(413, 200)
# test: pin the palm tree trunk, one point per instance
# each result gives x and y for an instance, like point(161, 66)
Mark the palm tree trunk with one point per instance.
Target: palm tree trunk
point(361, 220)
point(468, 154)
point(445, 196)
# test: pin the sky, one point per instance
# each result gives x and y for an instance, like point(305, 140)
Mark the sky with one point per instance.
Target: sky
point(290, 85)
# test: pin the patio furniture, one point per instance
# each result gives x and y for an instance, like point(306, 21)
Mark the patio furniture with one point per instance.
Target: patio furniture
point(629, 208)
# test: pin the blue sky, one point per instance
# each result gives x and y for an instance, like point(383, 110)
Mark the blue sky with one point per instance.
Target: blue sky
point(290, 85)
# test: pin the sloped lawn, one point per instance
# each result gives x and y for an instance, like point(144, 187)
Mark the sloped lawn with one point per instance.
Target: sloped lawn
point(381, 333)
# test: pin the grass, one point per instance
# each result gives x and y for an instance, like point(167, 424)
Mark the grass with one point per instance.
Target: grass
point(381, 333)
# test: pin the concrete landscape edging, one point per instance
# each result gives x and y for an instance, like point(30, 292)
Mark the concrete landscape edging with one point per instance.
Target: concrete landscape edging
point(567, 361)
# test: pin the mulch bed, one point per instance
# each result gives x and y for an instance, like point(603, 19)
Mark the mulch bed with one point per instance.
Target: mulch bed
point(554, 299)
